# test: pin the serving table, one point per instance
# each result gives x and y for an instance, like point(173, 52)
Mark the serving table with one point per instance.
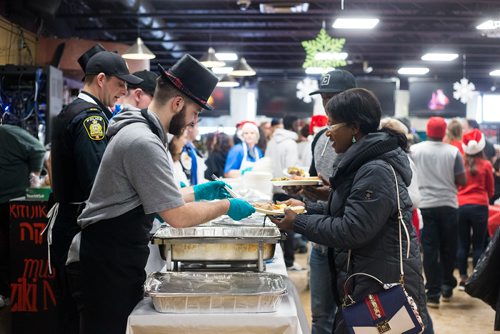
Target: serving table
point(288, 319)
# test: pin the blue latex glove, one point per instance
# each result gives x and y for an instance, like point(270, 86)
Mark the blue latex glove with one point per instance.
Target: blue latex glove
point(248, 169)
point(239, 209)
point(211, 190)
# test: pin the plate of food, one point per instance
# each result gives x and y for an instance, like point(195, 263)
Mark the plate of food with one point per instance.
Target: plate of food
point(296, 181)
point(296, 171)
point(278, 209)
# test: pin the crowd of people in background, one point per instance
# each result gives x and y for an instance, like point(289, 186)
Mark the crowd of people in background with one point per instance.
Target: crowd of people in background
point(449, 179)
point(456, 175)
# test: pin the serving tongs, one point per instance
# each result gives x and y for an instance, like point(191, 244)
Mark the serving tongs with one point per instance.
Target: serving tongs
point(228, 189)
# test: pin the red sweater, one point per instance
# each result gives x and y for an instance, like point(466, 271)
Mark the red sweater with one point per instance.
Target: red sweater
point(480, 187)
point(457, 144)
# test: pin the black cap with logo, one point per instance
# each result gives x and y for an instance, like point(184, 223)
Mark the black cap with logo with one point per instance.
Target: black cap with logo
point(335, 81)
point(110, 63)
point(148, 83)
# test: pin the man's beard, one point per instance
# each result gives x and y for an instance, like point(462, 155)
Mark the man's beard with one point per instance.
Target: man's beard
point(178, 123)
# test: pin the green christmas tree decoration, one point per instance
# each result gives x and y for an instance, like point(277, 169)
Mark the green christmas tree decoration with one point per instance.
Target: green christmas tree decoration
point(323, 43)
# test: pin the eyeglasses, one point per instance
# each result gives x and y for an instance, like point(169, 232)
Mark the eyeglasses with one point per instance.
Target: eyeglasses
point(333, 127)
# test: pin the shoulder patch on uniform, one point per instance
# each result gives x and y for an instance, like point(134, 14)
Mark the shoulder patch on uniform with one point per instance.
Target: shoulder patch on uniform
point(95, 127)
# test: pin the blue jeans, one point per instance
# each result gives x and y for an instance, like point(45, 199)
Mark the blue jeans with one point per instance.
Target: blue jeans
point(323, 306)
point(471, 218)
point(439, 242)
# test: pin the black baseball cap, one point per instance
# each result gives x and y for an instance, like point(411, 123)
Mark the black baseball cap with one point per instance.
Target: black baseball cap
point(110, 63)
point(148, 83)
point(335, 81)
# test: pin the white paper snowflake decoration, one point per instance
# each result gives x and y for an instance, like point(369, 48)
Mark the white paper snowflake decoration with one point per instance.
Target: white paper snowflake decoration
point(464, 90)
point(305, 87)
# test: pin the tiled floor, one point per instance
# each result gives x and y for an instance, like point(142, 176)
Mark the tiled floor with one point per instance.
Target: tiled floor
point(463, 314)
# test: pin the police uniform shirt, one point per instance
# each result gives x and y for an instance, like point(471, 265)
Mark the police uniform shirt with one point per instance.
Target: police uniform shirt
point(84, 143)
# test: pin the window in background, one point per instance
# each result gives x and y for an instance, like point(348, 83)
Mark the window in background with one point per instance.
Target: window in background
point(490, 108)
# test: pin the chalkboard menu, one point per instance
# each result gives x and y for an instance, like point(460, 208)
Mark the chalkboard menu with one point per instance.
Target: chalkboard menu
point(32, 286)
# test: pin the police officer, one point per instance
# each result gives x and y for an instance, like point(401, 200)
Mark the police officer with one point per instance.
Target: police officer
point(134, 181)
point(78, 143)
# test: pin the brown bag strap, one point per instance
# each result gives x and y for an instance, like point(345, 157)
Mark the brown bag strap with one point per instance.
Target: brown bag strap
point(400, 223)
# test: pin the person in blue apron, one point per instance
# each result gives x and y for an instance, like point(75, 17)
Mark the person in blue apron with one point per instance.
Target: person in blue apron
point(242, 157)
point(78, 144)
point(191, 159)
point(134, 182)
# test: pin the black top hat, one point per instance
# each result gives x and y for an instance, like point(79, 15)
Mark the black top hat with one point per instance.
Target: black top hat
point(110, 63)
point(335, 81)
point(148, 84)
point(84, 58)
point(192, 78)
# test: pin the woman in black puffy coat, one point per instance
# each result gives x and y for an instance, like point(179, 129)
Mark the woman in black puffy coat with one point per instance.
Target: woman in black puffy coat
point(361, 214)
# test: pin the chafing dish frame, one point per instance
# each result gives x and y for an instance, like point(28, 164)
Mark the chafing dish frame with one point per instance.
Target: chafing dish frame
point(169, 243)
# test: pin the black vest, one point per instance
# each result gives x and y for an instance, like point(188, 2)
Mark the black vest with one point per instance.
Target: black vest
point(65, 185)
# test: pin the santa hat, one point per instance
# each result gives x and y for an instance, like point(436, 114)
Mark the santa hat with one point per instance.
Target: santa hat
point(248, 126)
point(317, 121)
point(473, 142)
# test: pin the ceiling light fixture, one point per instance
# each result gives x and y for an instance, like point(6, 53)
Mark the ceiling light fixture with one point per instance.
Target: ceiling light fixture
point(331, 56)
point(209, 59)
point(243, 69)
point(228, 81)
point(286, 8)
point(413, 70)
point(495, 73)
point(439, 56)
point(318, 70)
point(222, 70)
point(226, 56)
point(489, 25)
point(138, 51)
point(355, 23)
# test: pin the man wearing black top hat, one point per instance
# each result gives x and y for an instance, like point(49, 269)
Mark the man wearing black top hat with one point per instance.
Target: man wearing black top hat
point(139, 96)
point(135, 181)
point(78, 143)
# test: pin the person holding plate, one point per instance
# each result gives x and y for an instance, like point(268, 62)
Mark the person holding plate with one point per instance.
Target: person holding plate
point(361, 216)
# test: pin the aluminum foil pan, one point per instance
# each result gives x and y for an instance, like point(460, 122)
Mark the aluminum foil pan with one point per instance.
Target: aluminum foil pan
point(207, 292)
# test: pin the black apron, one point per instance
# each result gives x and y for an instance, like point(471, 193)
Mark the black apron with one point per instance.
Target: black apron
point(113, 254)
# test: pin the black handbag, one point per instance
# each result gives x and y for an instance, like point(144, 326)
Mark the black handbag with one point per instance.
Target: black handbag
point(390, 311)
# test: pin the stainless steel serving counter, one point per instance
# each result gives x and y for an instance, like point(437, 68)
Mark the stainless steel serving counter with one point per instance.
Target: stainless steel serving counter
point(289, 317)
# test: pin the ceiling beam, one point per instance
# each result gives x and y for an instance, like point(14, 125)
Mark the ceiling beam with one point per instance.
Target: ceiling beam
point(173, 16)
point(368, 42)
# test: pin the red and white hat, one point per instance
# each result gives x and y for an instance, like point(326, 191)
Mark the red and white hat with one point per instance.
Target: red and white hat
point(247, 126)
point(473, 142)
point(319, 122)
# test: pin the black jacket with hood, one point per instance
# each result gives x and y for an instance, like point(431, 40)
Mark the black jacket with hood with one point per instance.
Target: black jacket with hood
point(361, 215)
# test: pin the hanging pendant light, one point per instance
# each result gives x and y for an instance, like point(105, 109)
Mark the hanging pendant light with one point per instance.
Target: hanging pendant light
point(228, 81)
point(209, 59)
point(243, 69)
point(138, 51)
